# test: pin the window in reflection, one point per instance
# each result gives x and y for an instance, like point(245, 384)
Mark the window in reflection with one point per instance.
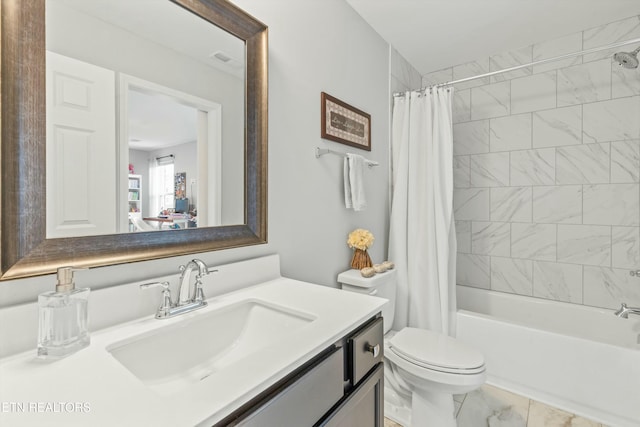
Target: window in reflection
point(162, 193)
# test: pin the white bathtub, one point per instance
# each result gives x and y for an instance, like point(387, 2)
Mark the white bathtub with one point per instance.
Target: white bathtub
point(580, 359)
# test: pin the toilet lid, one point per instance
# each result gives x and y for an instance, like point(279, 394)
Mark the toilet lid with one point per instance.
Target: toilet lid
point(434, 350)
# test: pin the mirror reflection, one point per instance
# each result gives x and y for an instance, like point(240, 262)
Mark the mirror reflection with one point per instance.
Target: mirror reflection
point(145, 119)
point(163, 152)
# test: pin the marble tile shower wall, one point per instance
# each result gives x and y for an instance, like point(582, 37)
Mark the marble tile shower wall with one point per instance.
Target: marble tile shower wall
point(547, 171)
point(402, 76)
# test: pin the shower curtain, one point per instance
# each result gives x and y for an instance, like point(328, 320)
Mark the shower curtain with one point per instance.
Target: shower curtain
point(422, 240)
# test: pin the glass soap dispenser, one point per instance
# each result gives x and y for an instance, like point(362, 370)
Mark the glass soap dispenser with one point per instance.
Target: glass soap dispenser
point(63, 317)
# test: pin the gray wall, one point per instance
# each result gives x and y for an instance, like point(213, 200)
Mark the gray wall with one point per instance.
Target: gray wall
point(547, 165)
point(308, 224)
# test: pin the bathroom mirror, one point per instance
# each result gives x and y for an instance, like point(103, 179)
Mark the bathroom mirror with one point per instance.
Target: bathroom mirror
point(145, 125)
point(26, 250)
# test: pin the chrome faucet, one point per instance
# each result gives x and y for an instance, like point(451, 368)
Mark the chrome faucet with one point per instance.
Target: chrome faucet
point(195, 293)
point(195, 298)
point(624, 311)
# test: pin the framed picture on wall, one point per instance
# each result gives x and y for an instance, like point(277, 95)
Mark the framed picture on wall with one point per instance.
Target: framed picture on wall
point(180, 185)
point(340, 122)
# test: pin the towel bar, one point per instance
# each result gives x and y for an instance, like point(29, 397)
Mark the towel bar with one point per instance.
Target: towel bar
point(322, 151)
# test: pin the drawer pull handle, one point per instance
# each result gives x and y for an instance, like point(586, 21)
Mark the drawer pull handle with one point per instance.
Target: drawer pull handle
point(374, 349)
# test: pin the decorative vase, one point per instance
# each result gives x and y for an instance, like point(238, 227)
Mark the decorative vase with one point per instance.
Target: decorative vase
point(360, 259)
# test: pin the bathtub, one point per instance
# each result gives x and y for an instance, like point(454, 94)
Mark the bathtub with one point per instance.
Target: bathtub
point(580, 359)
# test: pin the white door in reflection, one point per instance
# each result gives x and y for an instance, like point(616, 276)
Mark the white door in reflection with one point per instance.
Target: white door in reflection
point(81, 148)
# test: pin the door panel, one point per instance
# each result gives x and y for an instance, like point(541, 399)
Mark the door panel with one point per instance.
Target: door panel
point(81, 148)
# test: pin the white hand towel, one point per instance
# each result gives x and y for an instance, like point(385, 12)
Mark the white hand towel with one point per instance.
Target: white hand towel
point(354, 196)
point(347, 186)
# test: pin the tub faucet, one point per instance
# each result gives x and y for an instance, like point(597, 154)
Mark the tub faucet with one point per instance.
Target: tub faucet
point(624, 311)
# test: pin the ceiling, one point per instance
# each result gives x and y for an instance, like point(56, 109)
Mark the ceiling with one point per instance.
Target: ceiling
point(171, 26)
point(436, 34)
point(156, 121)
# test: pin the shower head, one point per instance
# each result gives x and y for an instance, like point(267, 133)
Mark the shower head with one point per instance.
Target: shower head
point(627, 59)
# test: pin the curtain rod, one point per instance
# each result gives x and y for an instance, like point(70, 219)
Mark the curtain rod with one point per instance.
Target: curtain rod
point(542, 61)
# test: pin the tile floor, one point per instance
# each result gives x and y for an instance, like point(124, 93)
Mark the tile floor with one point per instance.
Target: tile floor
point(493, 407)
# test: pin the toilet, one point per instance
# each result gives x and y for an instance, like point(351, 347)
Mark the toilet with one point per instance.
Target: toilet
point(423, 369)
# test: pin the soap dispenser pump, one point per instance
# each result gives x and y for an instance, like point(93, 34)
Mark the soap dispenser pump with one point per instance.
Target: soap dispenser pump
point(63, 317)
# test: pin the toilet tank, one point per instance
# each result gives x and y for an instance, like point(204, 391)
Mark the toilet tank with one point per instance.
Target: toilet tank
point(382, 285)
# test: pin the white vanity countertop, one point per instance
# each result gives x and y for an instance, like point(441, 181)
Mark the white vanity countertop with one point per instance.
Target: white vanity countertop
point(36, 392)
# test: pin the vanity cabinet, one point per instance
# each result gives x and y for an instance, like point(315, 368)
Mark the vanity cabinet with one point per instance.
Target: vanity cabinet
point(341, 387)
point(364, 406)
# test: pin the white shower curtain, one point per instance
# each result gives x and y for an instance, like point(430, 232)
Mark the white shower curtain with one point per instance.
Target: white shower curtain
point(422, 240)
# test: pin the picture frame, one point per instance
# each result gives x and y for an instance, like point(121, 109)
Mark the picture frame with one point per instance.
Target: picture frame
point(340, 122)
point(180, 185)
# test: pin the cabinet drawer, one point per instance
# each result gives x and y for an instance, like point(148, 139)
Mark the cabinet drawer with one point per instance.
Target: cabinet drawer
point(364, 407)
point(365, 350)
point(306, 400)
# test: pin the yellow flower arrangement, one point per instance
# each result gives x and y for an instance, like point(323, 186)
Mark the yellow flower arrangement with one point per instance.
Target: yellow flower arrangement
point(360, 239)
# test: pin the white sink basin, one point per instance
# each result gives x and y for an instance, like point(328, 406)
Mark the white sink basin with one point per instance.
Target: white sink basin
point(170, 358)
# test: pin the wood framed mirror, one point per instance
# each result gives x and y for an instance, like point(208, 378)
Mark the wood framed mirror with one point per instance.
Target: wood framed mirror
point(25, 249)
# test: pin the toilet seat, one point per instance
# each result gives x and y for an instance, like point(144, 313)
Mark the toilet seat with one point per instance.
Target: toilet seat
point(436, 351)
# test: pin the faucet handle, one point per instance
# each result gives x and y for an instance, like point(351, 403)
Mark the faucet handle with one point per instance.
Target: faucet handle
point(164, 285)
point(167, 304)
point(622, 311)
point(200, 276)
point(199, 293)
point(209, 271)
